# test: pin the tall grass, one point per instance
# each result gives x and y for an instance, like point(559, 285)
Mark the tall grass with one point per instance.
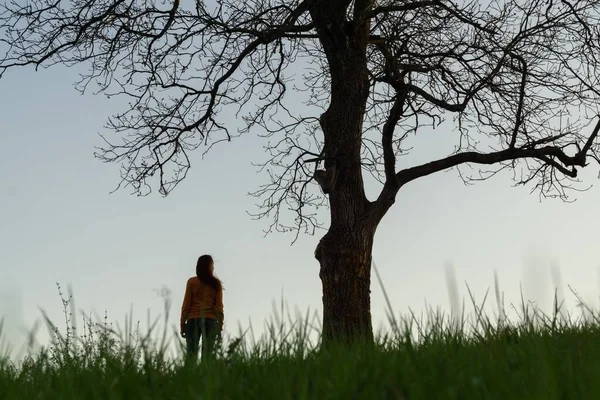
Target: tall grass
point(465, 355)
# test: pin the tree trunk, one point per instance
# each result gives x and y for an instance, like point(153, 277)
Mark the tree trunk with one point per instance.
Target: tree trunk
point(344, 253)
point(345, 259)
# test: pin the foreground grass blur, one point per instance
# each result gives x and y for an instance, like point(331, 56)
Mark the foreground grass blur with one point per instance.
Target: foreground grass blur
point(536, 357)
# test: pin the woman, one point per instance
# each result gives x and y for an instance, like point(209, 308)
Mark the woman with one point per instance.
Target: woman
point(202, 309)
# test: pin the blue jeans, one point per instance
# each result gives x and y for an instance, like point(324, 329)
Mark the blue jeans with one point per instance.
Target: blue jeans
point(208, 329)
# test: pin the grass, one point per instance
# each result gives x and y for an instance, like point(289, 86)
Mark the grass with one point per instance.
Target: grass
point(475, 357)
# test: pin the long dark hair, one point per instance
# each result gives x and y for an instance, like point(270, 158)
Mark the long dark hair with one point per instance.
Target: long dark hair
point(204, 273)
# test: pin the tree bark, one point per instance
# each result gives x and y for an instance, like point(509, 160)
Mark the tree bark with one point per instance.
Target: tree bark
point(345, 259)
point(344, 253)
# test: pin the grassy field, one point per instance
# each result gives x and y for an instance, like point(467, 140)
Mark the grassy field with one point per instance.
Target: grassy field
point(537, 357)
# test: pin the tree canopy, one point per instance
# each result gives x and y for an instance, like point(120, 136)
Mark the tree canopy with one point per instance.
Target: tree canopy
point(507, 73)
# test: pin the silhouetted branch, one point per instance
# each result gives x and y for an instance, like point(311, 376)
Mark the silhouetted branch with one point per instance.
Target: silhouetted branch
point(518, 80)
point(551, 155)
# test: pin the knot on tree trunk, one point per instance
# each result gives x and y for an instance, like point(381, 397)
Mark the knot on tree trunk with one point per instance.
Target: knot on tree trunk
point(326, 179)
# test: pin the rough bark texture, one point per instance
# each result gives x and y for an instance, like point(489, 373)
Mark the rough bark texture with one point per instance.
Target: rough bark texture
point(345, 259)
point(344, 253)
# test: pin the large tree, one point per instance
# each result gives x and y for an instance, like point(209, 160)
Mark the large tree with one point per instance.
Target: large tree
point(517, 79)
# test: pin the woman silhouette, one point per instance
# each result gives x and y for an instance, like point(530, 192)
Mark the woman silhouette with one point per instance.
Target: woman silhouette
point(202, 309)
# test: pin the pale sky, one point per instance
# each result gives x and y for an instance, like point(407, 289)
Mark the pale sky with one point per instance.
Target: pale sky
point(58, 223)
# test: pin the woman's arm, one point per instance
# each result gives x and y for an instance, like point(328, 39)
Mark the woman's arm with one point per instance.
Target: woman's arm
point(185, 307)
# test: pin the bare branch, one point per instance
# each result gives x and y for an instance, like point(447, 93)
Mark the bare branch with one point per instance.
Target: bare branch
point(551, 155)
point(517, 80)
